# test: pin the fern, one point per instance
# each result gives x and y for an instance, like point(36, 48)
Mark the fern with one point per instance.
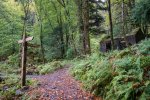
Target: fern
point(116, 75)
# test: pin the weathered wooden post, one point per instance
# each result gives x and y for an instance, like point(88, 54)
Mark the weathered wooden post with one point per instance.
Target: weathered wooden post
point(24, 58)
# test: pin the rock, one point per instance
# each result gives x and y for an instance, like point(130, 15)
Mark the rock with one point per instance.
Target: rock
point(5, 88)
point(54, 87)
point(46, 95)
point(19, 92)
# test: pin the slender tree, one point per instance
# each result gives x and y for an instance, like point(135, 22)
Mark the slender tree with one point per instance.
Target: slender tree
point(111, 24)
point(80, 20)
point(41, 33)
point(24, 44)
point(85, 17)
point(123, 23)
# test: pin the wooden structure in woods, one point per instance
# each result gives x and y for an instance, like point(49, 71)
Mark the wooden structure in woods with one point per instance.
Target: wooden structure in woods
point(24, 57)
point(106, 45)
point(119, 43)
point(136, 36)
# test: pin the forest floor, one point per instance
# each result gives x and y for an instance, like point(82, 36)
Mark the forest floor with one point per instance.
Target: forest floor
point(59, 85)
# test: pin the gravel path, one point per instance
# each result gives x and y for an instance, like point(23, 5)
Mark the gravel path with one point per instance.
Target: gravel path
point(59, 86)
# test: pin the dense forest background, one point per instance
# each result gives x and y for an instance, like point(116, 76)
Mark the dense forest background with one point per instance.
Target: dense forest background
point(70, 32)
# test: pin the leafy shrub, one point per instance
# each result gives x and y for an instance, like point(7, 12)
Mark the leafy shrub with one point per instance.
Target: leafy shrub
point(8, 95)
point(140, 13)
point(10, 65)
point(49, 67)
point(13, 60)
point(129, 83)
point(145, 61)
point(8, 44)
point(79, 70)
point(10, 82)
point(123, 53)
point(70, 53)
point(117, 75)
point(128, 75)
point(93, 73)
point(144, 47)
point(6, 68)
point(11, 86)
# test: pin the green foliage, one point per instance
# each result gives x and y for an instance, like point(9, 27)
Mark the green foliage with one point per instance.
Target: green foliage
point(123, 53)
point(10, 82)
point(70, 53)
point(13, 60)
point(59, 27)
point(7, 95)
point(144, 47)
point(140, 13)
point(118, 75)
point(7, 68)
point(88, 72)
point(145, 61)
point(11, 65)
point(10, 27)
point(117, 30)
point(50, 67)
point(114, 75)
point(128, 82)
point(103, 37)
point(11, 79)
point(8, 45)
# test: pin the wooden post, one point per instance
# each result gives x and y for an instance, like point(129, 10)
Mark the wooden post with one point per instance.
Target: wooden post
point(23, 61)
point(24, 58)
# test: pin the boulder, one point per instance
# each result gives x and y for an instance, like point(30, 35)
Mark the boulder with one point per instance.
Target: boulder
point(19, 92)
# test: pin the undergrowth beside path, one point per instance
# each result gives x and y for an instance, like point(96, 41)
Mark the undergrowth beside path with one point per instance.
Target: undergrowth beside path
point(117, 75)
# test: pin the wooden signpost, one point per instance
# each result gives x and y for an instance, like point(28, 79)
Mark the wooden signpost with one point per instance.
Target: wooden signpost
point(24, 57)
point(26, 40)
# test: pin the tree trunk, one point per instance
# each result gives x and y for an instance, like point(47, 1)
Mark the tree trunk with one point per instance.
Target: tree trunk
point(61, 36)
point(80, 22)
point(59, 21)
point(123, 24)
point(85, 17)
point(23, 61)
point(111, 24)
point(41, 43)
point(24, 46)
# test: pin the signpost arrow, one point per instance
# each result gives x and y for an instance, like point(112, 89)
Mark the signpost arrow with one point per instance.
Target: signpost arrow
point(26, 40)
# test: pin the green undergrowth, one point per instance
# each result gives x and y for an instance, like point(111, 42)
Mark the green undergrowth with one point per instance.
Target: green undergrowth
point(50, 67)
point(117, 75)
point(11, 84)
point(10, 79)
